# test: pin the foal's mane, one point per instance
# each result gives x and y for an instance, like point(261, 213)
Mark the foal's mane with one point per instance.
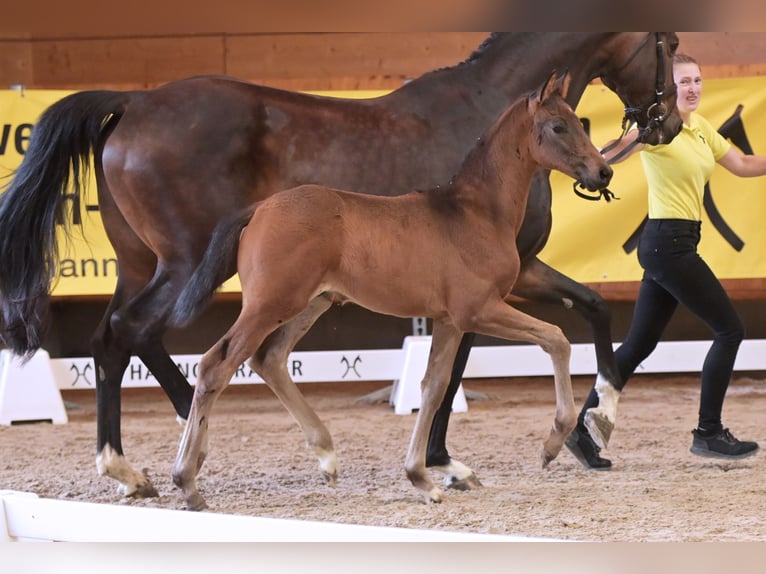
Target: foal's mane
point(445, 194)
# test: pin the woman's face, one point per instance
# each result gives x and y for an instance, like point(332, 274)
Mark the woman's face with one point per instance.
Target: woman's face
point(688, 81)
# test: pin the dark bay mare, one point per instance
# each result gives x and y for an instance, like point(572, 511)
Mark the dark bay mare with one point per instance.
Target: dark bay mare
point(311, 246)
point(172, 162)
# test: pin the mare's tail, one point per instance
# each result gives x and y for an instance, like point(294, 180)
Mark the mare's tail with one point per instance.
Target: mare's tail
point(216, 266)
point(33, 204)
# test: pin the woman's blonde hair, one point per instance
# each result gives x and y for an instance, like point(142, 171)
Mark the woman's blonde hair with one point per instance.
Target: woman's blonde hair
point(684, 59)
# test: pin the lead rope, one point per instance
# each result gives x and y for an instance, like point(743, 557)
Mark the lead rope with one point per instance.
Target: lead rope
point(606, 193)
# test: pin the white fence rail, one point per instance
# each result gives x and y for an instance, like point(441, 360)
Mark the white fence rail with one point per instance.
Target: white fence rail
point(31, 391)
point(387, 364)
point(26, 518)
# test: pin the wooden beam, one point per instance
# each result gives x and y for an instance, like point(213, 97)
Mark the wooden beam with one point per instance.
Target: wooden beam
point(360, 61)
point(738, 289)
point(297, 61)
point(15, 63)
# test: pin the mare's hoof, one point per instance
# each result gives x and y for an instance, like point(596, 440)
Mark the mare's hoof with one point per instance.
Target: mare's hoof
point(546, 458)
point(471, 482)
point(599, 427)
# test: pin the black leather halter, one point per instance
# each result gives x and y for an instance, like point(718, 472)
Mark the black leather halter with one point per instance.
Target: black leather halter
point(654, 109)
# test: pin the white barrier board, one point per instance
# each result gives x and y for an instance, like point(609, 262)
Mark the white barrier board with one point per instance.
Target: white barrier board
point(26, 518)
point(387, 364)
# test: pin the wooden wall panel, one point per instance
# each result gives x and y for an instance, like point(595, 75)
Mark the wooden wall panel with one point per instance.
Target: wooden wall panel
point(345, 61)
point(124, 62)
point(726, 54)
point(300, 61)
point(15, 63)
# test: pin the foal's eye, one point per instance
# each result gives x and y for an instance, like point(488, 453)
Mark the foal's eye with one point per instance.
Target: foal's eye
point(559, 129)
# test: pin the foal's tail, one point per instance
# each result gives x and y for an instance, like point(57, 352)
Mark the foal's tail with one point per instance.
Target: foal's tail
point(54, 168)
point(217, 265)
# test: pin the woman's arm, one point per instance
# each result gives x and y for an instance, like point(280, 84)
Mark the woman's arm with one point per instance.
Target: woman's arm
point(627, 140)
point(743, 165)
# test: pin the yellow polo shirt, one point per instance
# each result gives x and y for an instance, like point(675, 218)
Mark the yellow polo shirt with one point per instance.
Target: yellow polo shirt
point(676, 173)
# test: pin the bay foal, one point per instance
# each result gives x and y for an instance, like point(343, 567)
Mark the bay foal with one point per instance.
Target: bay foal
point(309, 247)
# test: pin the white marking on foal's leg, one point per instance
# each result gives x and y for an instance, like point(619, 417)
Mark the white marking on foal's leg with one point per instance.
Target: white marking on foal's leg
point(600, 420)
point(458, 476)
point(132, 482)
point(203, 448)
point(328, 463)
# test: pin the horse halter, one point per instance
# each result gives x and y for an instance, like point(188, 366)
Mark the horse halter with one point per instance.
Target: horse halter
point(655, 110)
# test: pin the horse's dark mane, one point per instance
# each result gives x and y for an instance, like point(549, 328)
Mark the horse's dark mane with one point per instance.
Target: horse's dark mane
point(488, 41)
point(475, 55)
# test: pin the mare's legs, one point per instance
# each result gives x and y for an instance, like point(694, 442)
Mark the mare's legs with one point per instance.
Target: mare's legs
point(133, 322)
point(539, 282)
point(128, 328)
point(444, 344)
point(270, 362)
point(111, 358)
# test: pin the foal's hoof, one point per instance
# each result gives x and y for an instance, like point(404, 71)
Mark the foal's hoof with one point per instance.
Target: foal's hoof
point(434, 495)
point(331, 478)
point(142, 489)
point(599, 427)
point(196, 503)
point(468, 483)
point(546, 457)
point(145, 490)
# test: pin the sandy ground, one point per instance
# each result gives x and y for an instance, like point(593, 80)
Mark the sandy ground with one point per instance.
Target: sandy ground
point(259, 465)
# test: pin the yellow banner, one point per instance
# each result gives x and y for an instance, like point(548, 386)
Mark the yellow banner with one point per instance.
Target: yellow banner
point(588, 241)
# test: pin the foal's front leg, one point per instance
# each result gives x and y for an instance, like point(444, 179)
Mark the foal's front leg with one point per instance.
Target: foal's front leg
point(444, 343)
point(499, 319)
point(539, 282)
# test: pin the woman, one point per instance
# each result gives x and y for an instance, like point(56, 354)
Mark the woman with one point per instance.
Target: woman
point(674, 273)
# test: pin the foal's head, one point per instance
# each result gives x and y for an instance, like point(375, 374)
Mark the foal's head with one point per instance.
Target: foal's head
point(558, 140)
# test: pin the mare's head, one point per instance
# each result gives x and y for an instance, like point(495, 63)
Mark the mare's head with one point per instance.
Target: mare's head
point(640, 72)
point(558, 139)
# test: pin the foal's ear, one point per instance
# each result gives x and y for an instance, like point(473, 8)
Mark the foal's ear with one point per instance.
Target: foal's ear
point(558, 82)
point(563, 82)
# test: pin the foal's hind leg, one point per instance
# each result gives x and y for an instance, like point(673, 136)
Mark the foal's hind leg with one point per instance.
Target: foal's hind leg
point(216, 369)
point(539, 282)
point(270, 362)
point(444, 344)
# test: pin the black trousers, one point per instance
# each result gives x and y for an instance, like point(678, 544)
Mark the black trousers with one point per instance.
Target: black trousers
point(675, 273)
